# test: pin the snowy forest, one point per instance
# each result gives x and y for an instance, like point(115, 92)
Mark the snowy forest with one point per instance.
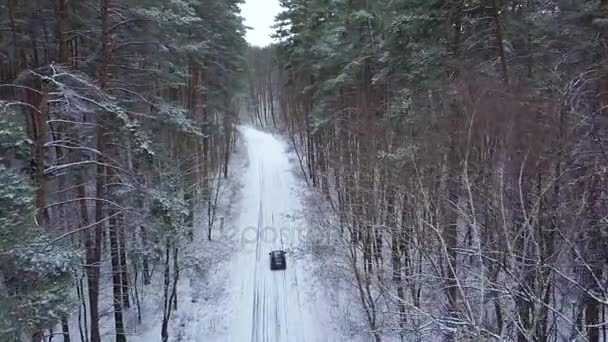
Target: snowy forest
point(460, 146)
point(451, 155)
point(117, 118)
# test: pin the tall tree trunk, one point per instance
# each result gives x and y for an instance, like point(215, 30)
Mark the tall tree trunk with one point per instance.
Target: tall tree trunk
point(206, 187)
point(94, 247)
point(94, 241)
point(194, 113)
point(322, 161)
point(592, 273)
point(206, 193)
point(12, 9)
point(116, 281)
point(175, 277)
point(228, 135)
point(450, 230)
point(310, 149)
point(39, 115)
point(40, 129)
point(500, 45)
point(60, 15)
point(164, 332)
point(396, 256)
point(124, 271)
point(145, 263)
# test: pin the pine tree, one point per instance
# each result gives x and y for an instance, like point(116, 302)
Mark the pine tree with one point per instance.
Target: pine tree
point(450, 131)
point(35, 272)
point(110, 96)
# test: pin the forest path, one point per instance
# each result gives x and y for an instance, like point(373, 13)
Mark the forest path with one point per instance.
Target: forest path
point(233, 296)
point(272, 305)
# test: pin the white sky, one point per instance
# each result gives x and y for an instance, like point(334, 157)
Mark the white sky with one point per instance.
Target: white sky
point(259, 15)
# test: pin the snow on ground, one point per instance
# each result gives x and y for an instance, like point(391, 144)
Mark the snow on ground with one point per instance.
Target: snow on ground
point(258, 304)
point(228, 293)
point(196, 292)
point(329, 251)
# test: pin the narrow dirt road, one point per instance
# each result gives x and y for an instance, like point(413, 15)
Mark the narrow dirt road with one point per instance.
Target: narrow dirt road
point(272, 305)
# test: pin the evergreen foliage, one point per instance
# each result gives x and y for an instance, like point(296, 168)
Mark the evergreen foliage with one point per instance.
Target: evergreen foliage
point(460, 144)
point(118, 119)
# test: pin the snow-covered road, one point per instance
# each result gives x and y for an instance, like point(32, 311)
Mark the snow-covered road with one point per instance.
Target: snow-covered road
point(272, 305)
point(230, 294)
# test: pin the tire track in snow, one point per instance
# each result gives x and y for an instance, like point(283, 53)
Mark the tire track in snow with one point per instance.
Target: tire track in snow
point(255, 326)
point(276, 316)
point(264, 317)
point(271, 301)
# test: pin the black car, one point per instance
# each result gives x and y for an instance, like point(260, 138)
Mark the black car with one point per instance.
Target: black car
point(277, 260)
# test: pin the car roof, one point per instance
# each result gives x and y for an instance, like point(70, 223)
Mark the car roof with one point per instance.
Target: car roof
point(278, 252)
